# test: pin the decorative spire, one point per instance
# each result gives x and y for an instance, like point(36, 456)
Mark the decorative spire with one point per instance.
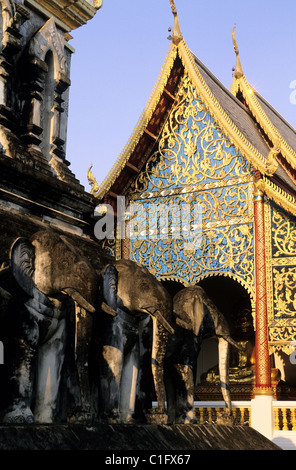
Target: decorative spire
point(177, 35)
point(238, 71)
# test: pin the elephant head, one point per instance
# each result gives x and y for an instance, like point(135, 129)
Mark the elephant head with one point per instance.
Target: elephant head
point(53, 265)
point(191, 315)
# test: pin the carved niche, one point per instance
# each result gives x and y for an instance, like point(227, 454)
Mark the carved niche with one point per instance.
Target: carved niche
point(46, 82)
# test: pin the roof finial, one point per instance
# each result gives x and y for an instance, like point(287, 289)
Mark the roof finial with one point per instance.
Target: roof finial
point(177, 35)
point(238, 71)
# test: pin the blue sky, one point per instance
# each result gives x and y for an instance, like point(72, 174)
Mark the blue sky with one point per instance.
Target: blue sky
point(119, 54)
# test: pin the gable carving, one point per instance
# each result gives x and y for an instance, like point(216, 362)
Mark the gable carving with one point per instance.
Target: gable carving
point(192, 149)
point(191, 207)
point(48, 38)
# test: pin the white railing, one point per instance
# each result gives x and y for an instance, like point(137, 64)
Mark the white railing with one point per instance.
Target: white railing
point(284, 415)
point(284, 434)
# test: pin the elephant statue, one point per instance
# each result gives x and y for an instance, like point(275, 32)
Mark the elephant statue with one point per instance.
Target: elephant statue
point(136, 296)
point(46, 275)
point(196, 318)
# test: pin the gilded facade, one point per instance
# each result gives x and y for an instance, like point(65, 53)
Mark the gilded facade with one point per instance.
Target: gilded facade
point(194, 165)
point(281, 276)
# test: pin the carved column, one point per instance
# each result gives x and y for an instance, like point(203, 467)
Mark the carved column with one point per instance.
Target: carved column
point(10, 45)
point(57, 140)
point(32, 92)
point(263, 368)
point(5, 110)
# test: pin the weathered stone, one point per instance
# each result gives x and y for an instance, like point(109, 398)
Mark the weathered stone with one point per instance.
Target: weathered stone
point(197, 318)
point(223, 418)
point(184, 437)
point(37, 320)
point(135, 294)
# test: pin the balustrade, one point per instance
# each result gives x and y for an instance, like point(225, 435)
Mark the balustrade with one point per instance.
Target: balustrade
point(284, 417)
point(206, 412)
point(284, 414)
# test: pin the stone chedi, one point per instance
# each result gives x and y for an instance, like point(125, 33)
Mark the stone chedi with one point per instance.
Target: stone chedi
point(44, 212)
point(35, 61)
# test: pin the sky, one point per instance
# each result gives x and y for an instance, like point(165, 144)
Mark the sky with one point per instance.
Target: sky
point(119, 54)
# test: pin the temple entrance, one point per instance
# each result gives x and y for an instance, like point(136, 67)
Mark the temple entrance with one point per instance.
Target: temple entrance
point(234, 302)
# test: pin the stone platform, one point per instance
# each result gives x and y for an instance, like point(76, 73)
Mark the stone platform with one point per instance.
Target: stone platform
point(129, 437)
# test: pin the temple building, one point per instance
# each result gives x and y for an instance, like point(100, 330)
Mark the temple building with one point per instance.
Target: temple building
point(205, 193)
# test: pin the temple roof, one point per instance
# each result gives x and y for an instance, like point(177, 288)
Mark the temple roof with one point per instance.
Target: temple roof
point(233, 110)
point(256, 130)
point(280, 182)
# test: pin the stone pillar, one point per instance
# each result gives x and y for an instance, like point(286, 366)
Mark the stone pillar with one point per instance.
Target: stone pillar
point(32, 90)
point(10, 46)
point(261, 407)
point(58, 140)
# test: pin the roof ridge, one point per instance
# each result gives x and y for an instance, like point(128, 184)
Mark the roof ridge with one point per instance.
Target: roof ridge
point(216, 79)
point(252, 98)
point(220, 114)
point(276, 112)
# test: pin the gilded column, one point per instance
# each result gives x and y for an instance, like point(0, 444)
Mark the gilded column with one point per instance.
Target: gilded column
point(262, 366)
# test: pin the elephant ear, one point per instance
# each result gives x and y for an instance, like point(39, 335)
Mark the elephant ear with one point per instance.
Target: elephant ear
point(22, 257)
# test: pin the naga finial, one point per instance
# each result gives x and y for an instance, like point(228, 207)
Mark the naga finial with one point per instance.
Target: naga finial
point(92, 181)
point(238, 71)
point(177, 35)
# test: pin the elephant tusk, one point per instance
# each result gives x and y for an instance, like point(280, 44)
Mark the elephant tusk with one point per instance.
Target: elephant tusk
point(164, 323)
point(4, 294)
point(233, 343)
point(79, 299)
point(107, 309)
point(223, 348)
point(161, 320)
point(183, 324)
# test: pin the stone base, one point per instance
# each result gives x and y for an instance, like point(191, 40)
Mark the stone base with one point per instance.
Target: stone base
point(156, 418)
point(224, 419)
point(121, 437)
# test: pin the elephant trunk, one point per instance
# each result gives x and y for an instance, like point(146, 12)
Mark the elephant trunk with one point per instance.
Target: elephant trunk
point(224, 371)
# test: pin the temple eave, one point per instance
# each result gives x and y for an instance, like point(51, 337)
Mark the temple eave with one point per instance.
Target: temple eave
point(71, 15)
